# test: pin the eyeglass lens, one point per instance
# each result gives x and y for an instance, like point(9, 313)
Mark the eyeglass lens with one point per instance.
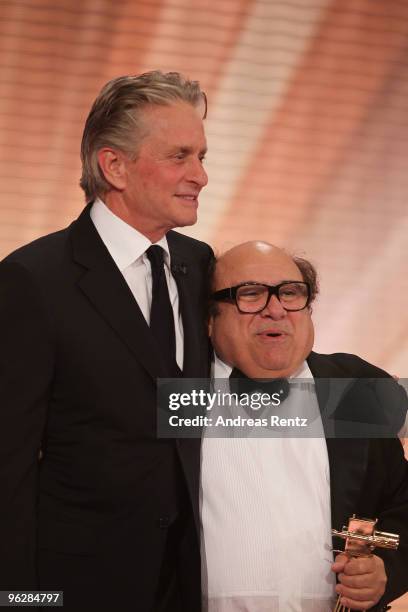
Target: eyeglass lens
point(253, 298)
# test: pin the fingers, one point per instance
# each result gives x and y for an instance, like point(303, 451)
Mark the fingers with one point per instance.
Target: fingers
point(340, 562)
point(361, 566)
point(361, 581)
point(352, 565)
point(359, 598)
point(357, 566)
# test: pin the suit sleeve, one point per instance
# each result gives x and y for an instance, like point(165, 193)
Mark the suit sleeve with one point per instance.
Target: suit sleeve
point(26, 367)
point(393, 518)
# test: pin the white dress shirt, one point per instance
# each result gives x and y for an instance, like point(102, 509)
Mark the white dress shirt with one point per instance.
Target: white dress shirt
point(127, 248)
point(266, 520)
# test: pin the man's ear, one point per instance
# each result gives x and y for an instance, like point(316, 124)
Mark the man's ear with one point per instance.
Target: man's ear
point(113, 166)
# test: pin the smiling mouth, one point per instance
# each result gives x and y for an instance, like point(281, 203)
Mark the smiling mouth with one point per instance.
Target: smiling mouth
point(190, 198)
point(272, 336)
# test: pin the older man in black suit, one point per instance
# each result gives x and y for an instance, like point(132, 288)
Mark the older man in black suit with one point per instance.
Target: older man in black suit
point(268, 503)
point(90, 317)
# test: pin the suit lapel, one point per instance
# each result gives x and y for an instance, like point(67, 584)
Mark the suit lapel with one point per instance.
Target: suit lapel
point(107, 290)
point(347, 456)
point(187, 285)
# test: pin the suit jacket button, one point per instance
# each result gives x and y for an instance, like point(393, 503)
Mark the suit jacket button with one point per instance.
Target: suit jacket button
point(164, 522)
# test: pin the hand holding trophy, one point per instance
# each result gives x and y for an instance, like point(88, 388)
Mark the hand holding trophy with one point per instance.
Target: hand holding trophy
point(361, 539)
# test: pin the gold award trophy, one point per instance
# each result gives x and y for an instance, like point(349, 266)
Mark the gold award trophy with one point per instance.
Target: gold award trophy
point(361, 539)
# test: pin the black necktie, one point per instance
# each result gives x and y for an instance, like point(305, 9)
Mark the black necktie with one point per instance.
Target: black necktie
point(161, 313)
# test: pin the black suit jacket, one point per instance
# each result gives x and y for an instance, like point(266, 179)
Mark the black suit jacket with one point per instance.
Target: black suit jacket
point(109, 509)
point(368, 477)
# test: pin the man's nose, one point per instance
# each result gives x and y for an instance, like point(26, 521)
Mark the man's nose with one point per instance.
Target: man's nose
point(197, 174)
point(274, 309)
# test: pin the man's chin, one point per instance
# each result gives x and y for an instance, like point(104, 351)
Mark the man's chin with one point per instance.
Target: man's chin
point(186, 220)
point(272, 369)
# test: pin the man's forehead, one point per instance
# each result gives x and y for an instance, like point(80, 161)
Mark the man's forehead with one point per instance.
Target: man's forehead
point(270, 268)
point(173, 125)
point(161, 115)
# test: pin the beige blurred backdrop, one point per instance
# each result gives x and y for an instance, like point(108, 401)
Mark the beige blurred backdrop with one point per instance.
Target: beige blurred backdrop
point(307, 132)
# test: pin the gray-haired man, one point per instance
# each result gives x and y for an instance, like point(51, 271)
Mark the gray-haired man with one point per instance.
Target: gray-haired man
point(108, 514)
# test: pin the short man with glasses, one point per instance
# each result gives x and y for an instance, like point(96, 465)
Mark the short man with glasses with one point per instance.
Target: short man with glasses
point(269, 503)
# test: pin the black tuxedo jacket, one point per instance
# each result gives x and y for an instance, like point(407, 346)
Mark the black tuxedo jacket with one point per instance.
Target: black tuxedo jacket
point(368, 477)
point(107, 514)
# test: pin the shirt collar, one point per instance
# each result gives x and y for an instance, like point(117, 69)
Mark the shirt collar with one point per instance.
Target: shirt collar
point(223, 370)
point(125, 243)
point(303, 372)
point(220, 369)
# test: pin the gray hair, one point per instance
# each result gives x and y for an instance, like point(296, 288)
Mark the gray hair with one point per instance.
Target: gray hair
point(115, 121)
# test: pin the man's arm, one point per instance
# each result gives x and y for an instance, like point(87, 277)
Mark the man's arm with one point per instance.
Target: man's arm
point(26, 366)
point(393, 517)
point(362, 580)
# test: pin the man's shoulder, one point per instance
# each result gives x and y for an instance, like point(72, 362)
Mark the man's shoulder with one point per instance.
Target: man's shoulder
point(39, 247)
point(343, 365)
point(373, 398)
point(39, 251)
point(186, 244)
point(49, 251)
point(35, 269)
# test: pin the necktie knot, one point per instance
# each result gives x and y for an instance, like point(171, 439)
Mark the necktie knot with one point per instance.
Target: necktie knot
point(155, 255)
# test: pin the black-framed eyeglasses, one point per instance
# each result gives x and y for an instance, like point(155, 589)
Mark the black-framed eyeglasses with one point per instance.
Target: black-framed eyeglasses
point(253, 297)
